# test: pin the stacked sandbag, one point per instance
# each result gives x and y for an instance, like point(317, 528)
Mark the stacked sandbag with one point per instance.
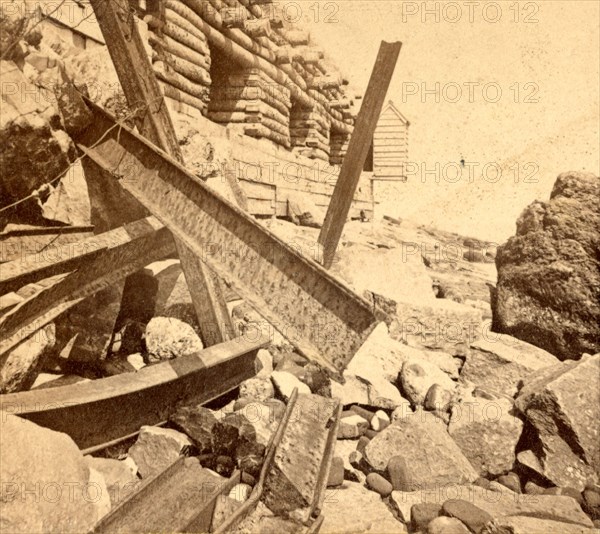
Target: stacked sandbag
point(339, 147)
point(180, 55)
point(248, 101)
point(310, 134)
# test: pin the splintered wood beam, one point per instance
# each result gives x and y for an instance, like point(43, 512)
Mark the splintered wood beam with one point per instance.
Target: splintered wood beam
point(60, 259)
point(358, 148)
point(122, 252)
point(118, 25)
point(101, 411)
point(322, 318)
point(187, 494)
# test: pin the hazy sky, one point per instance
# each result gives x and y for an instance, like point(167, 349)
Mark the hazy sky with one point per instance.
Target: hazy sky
point(543, 56)
point(512, 85)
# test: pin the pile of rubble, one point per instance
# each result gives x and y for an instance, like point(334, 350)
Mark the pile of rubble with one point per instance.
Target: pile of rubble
point(440, 424)
point(469, 435)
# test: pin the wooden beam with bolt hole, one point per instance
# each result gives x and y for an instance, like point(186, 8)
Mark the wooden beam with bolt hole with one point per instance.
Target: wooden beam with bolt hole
point(358, 148)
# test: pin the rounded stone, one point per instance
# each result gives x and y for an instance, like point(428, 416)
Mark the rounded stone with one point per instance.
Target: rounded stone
point(447, 525)
point(379, 484)
point(362, 443)
point(511, 481)
point(423, 513)
point(397, 473)
point(591, 503)
point(474, 517)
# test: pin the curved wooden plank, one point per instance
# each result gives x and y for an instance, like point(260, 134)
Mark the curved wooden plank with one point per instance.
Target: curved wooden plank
point(103, 410)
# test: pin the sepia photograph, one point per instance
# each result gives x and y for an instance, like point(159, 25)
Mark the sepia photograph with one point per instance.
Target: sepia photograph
point(299, 266)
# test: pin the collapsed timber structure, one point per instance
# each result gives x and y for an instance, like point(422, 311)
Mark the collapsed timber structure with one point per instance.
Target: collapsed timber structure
point(220, 245)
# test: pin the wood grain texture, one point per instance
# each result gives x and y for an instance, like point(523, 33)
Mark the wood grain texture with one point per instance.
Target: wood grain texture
point(358, 148)
point(143, 92)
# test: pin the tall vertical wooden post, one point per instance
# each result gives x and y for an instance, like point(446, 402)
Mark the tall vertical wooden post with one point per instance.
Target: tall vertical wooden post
point(358, 148)
point(124, 43)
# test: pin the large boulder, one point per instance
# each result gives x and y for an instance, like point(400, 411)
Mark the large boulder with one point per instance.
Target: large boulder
point(562, 402)
point(373, 391)
point(68, 202)
point(430, 455)
point(441, 324)
point(373, 374)
point(168, 338)
point(401, 276)
point(119, 476)
point(353, 508)
point(35, 148)
point(487, 431)
point(418, 377)
point(157, 448)
point(548, 290)
point(500, 363)
point(46, 484)
point(385, 356)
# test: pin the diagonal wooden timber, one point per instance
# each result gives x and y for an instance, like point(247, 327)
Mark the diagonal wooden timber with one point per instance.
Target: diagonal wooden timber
point(59, 259)
point(123, 251)
point(119, 29)
point(100, 411)
point(323, 318)
point(358, 148)
point(187, 494)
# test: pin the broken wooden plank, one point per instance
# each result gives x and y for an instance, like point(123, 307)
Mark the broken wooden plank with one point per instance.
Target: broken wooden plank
point(154, 122)
point(323, 318)
point(360, 141)
point(128, 249)
point(103, 410)
point(18, 243)
point(296, 467)
point(187, 494)
point(60, 259)
point(295, 483)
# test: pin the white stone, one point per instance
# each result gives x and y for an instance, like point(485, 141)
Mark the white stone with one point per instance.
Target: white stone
point(285, 383)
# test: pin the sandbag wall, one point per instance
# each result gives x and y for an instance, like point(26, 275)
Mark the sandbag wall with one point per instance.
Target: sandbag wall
point(275, 84)
point(180, 55)
point(250, 102)
point(339, 146)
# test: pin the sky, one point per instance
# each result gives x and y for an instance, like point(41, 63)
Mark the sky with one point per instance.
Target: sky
point(481, 81)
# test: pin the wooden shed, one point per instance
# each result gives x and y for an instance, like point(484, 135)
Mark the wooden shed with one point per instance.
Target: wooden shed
point(387, 159)
point(390, 145)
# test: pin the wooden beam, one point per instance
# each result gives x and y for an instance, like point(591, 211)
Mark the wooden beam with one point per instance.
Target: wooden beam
point(63, 258)
point(123, 251)
point(321, 317)
point(358, 148)
point(187, 494)
point(87, 411)
point(118, 26)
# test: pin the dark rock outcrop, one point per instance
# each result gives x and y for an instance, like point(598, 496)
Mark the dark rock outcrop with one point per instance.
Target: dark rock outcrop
point(548, 291)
